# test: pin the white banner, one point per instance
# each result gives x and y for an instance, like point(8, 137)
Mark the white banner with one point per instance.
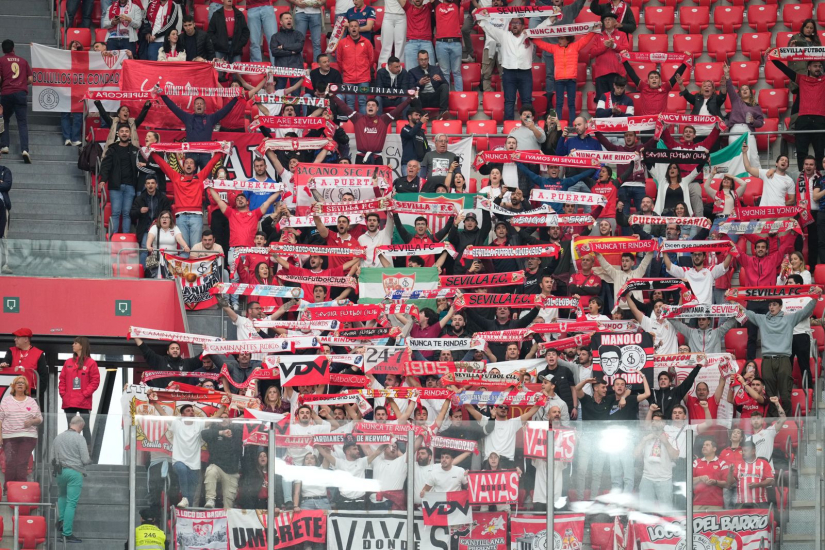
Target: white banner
point(372, 531)
point(463, 148)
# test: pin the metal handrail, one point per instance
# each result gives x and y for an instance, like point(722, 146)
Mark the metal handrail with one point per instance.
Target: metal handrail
point(16, 506)
point(782, 508)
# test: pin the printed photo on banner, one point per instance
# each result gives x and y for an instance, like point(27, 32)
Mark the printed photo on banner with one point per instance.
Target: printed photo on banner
point(201, 530)
point(728, 530)
point(530, 532)
point(625, 355)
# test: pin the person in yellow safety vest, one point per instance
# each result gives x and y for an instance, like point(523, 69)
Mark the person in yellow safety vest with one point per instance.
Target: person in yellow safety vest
point(148, 536)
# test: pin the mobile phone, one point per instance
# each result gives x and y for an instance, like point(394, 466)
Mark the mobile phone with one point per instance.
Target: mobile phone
point(552, 113)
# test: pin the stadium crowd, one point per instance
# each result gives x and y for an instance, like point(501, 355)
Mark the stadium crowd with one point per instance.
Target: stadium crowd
point(706, 248)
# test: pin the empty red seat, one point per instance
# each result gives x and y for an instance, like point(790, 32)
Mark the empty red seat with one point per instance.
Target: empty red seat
point(463, 104)
point(483, 127)
point(669, 69)
point(471, 75)
point(492, 103)
point(601, 536)
point(761, 18)
point(676, 103)
point(783, 39)
point(774, 77)
point(477, 40)
point(587, 16)
point(736, 342)
point(101, 35)
point(820, 14)
point(379, 18)
point(23, 491)
point(728, 18)
point(32, 531)
point(447, 127)
point(591, 103)
point(202, 16)
point(659, 19)
point(802, 399)
point(763, 141)
point(127, 271)
point(773, 101)
point(753, 191)
point(721, 46)
point(793, 14)
point(690, 43)
point(709, 71)
point(694, 19)
point(652, 43)
point(819, 332)
point(754, 44)
point(744, 72)
point(84, 36)
point(539, 73)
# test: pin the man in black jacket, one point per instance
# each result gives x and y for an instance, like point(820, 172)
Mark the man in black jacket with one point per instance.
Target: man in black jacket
point(706, 98)
point(197, 43)
point(146, 208)
point(395, 77)
point(119, 169)
point(228, 47)
point(414, 143)
point(5, 212)
point(433, 88)
point(286, 49)
point(667, 395)
point(470, 235)
point(225, 443)
point(171, 362)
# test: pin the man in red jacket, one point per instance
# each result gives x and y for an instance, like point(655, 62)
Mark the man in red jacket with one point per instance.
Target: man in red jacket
point(654, 91)
point(355, 55)
point(604, 51)
point(188, 193)
point(761, 269)
point(370, 128)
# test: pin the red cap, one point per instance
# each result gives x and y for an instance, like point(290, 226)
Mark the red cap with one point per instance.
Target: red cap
point(23, 332)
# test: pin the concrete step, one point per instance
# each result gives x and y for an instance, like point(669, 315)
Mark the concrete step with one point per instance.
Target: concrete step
point(14, 8)
point(797, 542)
point(51, 137)
point(67, 212)
point(65, 183)
point(40, 168)
point(42, 35)
point(34, 227)
point(74, 237)
point(52, 197)
point(41, 151)
point(104, 521)
point(34, 22)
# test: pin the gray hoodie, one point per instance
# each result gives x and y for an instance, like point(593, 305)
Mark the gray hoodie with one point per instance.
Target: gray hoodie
point(776, 331)
point(708, 340)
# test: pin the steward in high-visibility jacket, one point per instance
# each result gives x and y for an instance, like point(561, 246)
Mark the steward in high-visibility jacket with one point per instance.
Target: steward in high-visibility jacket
point(148, 536)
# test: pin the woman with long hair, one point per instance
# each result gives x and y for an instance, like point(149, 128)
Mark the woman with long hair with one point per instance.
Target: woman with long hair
point(729, 195)
point(673, 188)
point(79, 378)
point(731, 455)
point(19, 418)
point(263, 274)
point(744, 115)
point(254, 484)
point(164, 235)
point(494, 189)
point(455, 181)
point(794, 265)
point(273, 402)
point(747, 392)
point(172, 50)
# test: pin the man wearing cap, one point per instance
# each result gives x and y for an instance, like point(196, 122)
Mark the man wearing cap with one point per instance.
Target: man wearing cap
point(548, 389)
point(29, 359)
point(147, 535)
point(172, 361)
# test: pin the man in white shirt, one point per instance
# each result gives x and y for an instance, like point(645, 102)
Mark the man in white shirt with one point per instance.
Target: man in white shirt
point(389, 468)
point(619, 277)
point(373, 237)
point(491, 57)
point(516, 61)
point(701, 279)
point(777, 184)
point(502, 440)
point(354, 466)
point(308, 423)
point(445, 478)
point(762, 436)
point(423, 467)
point(555, 418)
point(665, 339)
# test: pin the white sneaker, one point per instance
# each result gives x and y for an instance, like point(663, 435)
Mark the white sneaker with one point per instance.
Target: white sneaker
point(67, 143)
point(77, 143)
point(4, 150)
point(210, 503)
point(7, 270)
point(184, 503)
point(26, 157)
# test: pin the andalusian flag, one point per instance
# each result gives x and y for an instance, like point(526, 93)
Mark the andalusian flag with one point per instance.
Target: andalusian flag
point(728, 161)
point(464, 201)
point(375, 283)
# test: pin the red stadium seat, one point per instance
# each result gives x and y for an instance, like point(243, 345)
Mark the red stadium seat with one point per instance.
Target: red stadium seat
point(539, 72)
point(783, 38)
point(477, 41)
point(492, 103)
point(728, 18)
point(709, 71)
point(601, 536)
point(399, 124)
point(539, 104)
point(820, 14)
point(463, 104)
point(676, 103)
point(819, 309)
point(586, 16)
point(32, 531)
point(591, 103)
point(819, 333)
point(819, 274)
point(471, 75)
point(652, 43)
point(761, 18)
point(84, 36)
point(123, 247)
point(774, 77)
point(641, 69)
point(744, 72)
point(690, 43)
point(96, 13)
point(278, 11)
point(763, 141)
point(669, 69)
point(635, 96)
point(202, 16)
point(447, 127)
point(736, 342)
point(793, 14)
point(754, 44)
point(773, 101)
point(658, 19)
point(482, 127)
point(753, 192)
point(379, 18)
point(694, 19)
point(804, 399)
point(123, 271)
point(721, 46)
point(101, 35)
point(23, 491)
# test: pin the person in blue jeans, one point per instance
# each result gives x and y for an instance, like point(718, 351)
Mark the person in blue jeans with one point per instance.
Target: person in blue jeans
point(119, 170)
point(87, 6)
point(260, 17)
point(15, 78)
point(308, 17)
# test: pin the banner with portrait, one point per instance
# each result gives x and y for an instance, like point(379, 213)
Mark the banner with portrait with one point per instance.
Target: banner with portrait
point(625, 355)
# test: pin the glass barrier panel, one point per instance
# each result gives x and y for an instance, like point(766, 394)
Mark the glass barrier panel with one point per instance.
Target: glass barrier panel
point(58, 258)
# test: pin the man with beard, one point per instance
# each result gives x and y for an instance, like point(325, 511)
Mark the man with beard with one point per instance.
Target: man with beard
point(240, 369)
point(422, 236)
point(423, 468)
point(503, 321)
point(374, 237)
point(502, 439)
point(340, 239)
point(119, 171)
point(563, 380)
point(172, 362)
point(389, 468)
point(620, 276)
point(699, 277)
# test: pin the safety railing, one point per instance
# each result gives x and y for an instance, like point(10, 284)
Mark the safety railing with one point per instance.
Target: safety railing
point(52, 508)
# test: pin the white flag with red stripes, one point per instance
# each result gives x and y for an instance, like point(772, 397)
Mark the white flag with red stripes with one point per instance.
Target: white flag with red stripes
point(62, 77)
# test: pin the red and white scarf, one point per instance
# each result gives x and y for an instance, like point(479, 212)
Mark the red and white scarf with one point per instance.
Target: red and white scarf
point(369, 333)
point(748, 213)
point(309, 221)
point(152, 14)
point(249, 68)
point(553, 220)
point(525, 251)
point(115, 10)
point(501, 336)
point(530, 157)
point(639, 219)
point(286, 249)
point(102, 95)
point(550, 195)
point(632, 247)
point(480, 380)
point(269, 291)
point(698, 246)
point(407, 250)
point(431, 294)
point(453, 444)
point(169, 336)
point(759, 227)
point(495, 300)
point(188, 147)
point(706, 122)
point(651, 57)
point(296, 144)
point(608, 157)
point(289, 100)
point(621, 124)
point(746, 293)
point(245, 185)
point(807, 53)
point(324, 280)
point(358, 207)
point(349, 182)
point(294, 325)
point(188, 90)
point(517, 12)
point(337, 34)
point(803, 199)
point(564, 343)
point(564, 30)
point(486, 280)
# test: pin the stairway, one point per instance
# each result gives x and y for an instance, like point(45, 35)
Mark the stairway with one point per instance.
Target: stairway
point(102, 518)
point(49, 197)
